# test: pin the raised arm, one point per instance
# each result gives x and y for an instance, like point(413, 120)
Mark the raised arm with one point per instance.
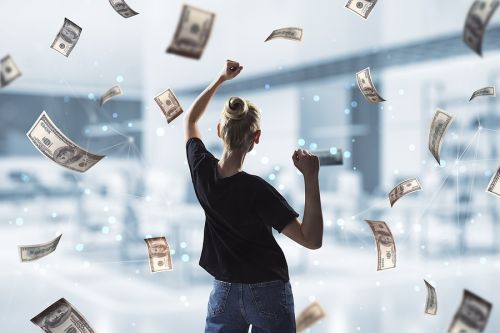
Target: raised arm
point(191, 130)
point(309, 232)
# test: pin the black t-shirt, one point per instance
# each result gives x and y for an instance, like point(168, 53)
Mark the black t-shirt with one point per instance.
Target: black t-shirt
point(240, 211)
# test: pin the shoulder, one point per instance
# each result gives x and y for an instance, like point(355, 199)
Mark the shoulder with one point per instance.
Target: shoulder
point(196, 152)
point(260, 184)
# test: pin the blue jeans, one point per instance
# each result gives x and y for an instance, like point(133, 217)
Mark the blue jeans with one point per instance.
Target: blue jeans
point(267, 306)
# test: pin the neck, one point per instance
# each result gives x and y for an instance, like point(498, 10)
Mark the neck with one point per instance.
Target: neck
point(231, 162)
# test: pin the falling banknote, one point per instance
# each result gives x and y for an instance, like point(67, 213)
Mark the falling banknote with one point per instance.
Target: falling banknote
point(431, 303)
point(291, 33)
point(51, 142)
point(477, 20)
point(386, 247)
point(365, 84)
point(406, 187)
point(112, 92)
point(8, 71)
point(332, 156)
point(487, 91)
point(494, 185)
point(440, 123)
point(121, 7)
point(159, 254)
point(169, 105)
point(472, 316)
point(309, 316)
point(193, 32)
point(361, 7)
point(34, 252)
point(62, 317)
point(67, 38)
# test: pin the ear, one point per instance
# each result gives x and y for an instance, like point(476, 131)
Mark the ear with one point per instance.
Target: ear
point(257, 136)
point(218, 129)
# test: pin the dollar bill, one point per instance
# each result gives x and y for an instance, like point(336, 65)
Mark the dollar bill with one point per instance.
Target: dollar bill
point(472, 315)
point(169, 105)
point(291, 33)
point(332, 156)
point(112, 92)
point(309, 316)
point(365, 84)
point(431, 303)
point(34, 252)
point(67, 38)
point(406, 187)
point(361, 7)
point(494, 185)
point(386, 247)
point(159, 254)
point(440, 123)
point(8, 71)
point(487, 91)
point(193, 32)
point(477, 20)
point(62, 317)
point(121, 7)
point(51, 142)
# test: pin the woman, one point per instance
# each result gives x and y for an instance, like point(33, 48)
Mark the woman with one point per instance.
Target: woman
point(251, 284)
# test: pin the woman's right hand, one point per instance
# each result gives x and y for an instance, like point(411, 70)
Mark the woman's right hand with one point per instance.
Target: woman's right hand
point(305, 162)
point(231, 70)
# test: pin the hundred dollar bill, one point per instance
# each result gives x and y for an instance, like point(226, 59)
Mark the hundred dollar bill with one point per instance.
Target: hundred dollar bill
point(431, 303)
point(8, 71)
point(159, 254)
point(494, 185)
point(291, 33)
point(406, 187)
point(62, 317)
point(51, 142)
point(332, 156)
point(193, 32)
point(67, 38)
point(477, 20)
point(440, 123)
point(309, 316)
point(361, 7)
point(112, 92)
point(367, 87)
point(386, 247)
point(169, 105)
point(121, 7)
point(487, 91)
point(34, 252)
point(472, 316)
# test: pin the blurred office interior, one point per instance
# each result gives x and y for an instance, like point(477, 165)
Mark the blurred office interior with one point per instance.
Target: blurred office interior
point(447, 234)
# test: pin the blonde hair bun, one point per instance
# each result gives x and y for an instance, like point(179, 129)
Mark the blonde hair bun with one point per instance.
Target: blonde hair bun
point(236, 108)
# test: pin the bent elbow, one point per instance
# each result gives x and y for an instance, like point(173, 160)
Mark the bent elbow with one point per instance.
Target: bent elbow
point(315, 245)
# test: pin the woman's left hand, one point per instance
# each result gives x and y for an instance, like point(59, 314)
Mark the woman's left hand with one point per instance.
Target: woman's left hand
point(231, 70)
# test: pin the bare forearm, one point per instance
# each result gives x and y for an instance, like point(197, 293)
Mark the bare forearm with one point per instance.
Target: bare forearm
point(200, 104)
point(312, 223)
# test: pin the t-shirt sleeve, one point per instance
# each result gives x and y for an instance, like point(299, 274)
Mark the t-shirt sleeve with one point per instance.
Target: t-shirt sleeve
point(196, 152)
point(272, 208)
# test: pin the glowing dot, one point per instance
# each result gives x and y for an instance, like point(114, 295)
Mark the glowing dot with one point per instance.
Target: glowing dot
point(416, 289)
point(316, 98)
point(19, 221)
point(119, 79)
point(333, 150)
point(79, 247)
point(54, 215)
point(267, 86)
point(172, 252)
point(443, 163)
point(111, 219)
point(160, 131)
point(277, 168)
point(115, 115)
point(185, 257)
point(411, 147)
point(272, 176)
point(105, 229)
point(313, 146)
point(347, 111)
point(281, 187)
point(482, 260)
point(340, 222)
point(347, 154)
point(354, 104)
point(104, 128)
point(131, 139)
point(183, 245)
point(129, 124)
point(87, 191)
point(301, 142)
point(91, 96)
point(118, 237)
